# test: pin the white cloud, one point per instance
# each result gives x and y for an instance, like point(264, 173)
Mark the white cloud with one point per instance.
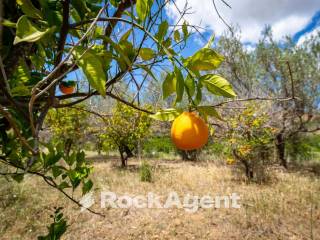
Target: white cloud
point(285, 16)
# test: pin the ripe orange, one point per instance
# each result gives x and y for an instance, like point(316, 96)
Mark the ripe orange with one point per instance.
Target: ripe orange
point(189, 131)
point(66, 89)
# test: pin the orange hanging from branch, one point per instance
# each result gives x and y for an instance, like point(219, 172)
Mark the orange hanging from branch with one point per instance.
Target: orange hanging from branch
point(67, 87)
point(189, 131)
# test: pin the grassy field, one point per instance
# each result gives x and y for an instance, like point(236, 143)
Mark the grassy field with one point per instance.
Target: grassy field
point(286, 208)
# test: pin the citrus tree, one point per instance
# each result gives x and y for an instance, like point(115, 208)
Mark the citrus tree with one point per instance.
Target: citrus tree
point(44, 42)
point(125, 130)
point(68, 126)
point(250, 139)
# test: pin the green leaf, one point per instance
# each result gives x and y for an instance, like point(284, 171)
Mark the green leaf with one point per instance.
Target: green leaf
point(209, 43)
point(204, 60)
point(179, 84)
point(91, 65)
point(126, 35)
point(21, 91)
point(168, 85)
point(190, 85)
point(87, 186)
point(22, 73)
point(218, 85)
point(185, 30)
point(56, 171)
point(81, 7)
point(118, 49)
point(28, 31)
point(198, 98)
point(210, 111)
point(166, 115)
point(8, 23)
point(162, 31)
point(143, 8)
point(18, 177)
point(63, 185)
point(146, 54)
point(176, 35)
point(28, 9)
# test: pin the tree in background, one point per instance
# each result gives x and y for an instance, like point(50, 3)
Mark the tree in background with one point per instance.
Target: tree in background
point(125, 130)
point(69, 126)
point(250, 139)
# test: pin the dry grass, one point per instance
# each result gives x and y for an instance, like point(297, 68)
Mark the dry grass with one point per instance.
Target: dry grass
point(287, 208)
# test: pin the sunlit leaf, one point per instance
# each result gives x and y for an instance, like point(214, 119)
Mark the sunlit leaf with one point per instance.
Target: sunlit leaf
point(218, 85)
point(28, 31)
point(166, 115)
point(204, 60)
point(143, 8)
point(91, 65)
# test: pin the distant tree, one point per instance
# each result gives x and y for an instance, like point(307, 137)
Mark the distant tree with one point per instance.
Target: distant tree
point(124, 130)
point(69, 126)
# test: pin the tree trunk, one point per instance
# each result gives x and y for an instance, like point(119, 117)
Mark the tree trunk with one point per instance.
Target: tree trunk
point(280, 145)
point(123, 158)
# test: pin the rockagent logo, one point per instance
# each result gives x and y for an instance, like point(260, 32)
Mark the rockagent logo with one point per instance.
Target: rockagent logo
point(190, 203)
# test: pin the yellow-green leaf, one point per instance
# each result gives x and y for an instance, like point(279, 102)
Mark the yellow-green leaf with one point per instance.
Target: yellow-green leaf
point(218, 85)
point(143, 8)
point(146, 54)
point(27, 31)
point(91, 65)
point(204, 60)
point(166, 115)
point(29, 9)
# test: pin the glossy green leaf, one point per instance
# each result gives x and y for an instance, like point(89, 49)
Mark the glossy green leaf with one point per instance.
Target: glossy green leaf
point(167, 114)
point(28, 31)
point(218, 85)
point(91, 65)
point(204, 60)
point(143, 8)
point(210, 111)
point(29, 9)
point(146, 54)
point(179, 84)
point(168, 85)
